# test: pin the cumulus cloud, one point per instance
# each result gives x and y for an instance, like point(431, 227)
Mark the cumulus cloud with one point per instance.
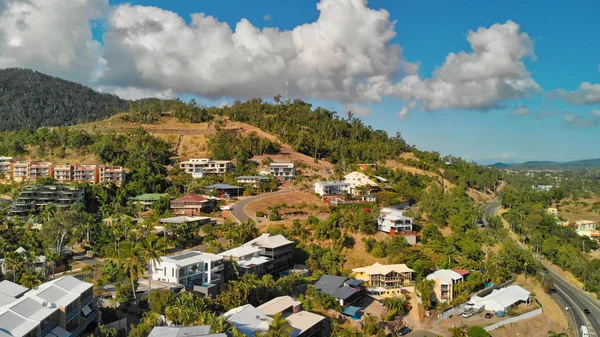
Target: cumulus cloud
point(521, 110)
point(587, 93)
point(267, 17)
point(345, 55)
point(52, 36)
point(358, 109)
point(580, 122)
point(493, 72)
point(403, 113)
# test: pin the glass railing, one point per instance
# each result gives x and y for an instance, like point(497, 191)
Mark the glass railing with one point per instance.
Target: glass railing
point(49, 328)
point(72, 314)
point(87, 300)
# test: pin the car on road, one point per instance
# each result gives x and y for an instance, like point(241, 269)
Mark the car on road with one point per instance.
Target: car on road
point(587, 312)
point(404, 331)
point(226, 208)
point(489, 315)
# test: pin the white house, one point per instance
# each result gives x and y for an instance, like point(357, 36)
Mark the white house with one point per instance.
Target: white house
point(248, 260)
point(198, 167)
point(189, 269)
point(357, 180)
point(393, 220)
point(502, 299)
point(184, 331)
point(331, 187)
point(445, 280)
point(283, 171)
point(253, 180)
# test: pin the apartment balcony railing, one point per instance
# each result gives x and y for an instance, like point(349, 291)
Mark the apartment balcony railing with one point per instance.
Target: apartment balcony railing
point(49, 328)
point(87, 300)
point(72, 314)
point(75, 332)
point(90, 318)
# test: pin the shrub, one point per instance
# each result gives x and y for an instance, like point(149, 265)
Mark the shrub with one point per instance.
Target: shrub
point(260, 214)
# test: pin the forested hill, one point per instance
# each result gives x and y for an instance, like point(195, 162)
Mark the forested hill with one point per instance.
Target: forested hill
point(552, 165)
point(29, 100)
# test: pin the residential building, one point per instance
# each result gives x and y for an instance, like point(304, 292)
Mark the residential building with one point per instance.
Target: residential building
point(168, 225)
point(323, 188)
point(249, 260)
point(61, 307)
point(184, 331)
point(145, 201)
point(6, 166)
point(63, 173)
point(283, 171)
point(123, 218)
point(392, 221)
point(111, 174)
point(543, 187)
point(38, 263)
point(193, 204)
point(444, 289)
point(345, 290)
point(253, 180)
point(552, 211)
point(250, 320)
point(277, 248)
point(226, 190)
point(585, 225)
point(9, 292)
point(79, 173)
point(385, 280)
point(31, 170)
point(198, 167)
point(360, 183)
point(33, 197)
point(503, 299)
point(192, 269)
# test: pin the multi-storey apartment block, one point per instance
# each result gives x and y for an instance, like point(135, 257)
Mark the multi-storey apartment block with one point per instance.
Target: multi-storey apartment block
point(32, 198)
point(192, 269)
point(61, 307)
point(283, 171)
point(111, 174)
point(277, 248)
point(31, 170)
point(6, 166)
point(201, 166)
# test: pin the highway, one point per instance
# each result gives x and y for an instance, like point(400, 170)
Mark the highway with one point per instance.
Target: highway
point(238, 210)
point(567, 295)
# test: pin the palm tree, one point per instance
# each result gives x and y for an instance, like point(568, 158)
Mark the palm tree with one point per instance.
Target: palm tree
point(557, 334)
point(15, 262)
point(280, 327)
point(152, 248)
point(130, 257)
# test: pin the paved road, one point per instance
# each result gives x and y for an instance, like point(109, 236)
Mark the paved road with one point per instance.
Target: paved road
point(567, 295)
point(490, 210)
point(238, 208)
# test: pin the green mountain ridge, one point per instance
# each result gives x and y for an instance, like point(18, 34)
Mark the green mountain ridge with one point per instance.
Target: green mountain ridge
point(30, 99)
point(540, 165)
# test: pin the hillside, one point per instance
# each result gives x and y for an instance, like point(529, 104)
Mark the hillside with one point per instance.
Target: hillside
point(551, 165)
point(29, 100)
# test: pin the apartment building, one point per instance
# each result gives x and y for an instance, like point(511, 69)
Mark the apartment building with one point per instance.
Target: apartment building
point(32, 198)
point(193, 204)
point(61, 307)
point(111, 174)
point(331, 187)
point(249, 260)
point(195, 270)
point(79, 173)
point(6, 166)
point(201, 166)
point(277, 248)
point(444, 289)
point(283, 171)
point(385, 280)
point(31, 170)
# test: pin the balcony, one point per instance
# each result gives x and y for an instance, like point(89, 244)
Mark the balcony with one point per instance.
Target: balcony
point(49, 328)
point(72, 314)
point(87, 300)
point(75, 332)
point(92, 316)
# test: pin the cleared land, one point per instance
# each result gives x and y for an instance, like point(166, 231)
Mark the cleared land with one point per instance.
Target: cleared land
point(580, 210)
point(299, 205)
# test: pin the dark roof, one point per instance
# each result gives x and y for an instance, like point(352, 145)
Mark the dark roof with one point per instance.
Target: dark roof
point(354, 282)
point(223, 187)
point(344, 292)
point(329, 284)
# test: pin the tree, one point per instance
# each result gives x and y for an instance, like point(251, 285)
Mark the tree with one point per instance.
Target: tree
point(425, 288)
point(279, 327)
point(57, 231)
point(557, 334)
point(477, 331)
point(152, 247)
point(130, 256)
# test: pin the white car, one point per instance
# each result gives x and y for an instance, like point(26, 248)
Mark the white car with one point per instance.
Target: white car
point(226, 208)
point(467, 314)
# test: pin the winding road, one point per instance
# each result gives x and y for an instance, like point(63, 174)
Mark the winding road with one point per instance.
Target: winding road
point(238, 209)
point(570, 297)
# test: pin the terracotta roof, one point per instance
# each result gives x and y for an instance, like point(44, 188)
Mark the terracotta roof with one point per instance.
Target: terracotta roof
point(462, 272)
point(192, 197)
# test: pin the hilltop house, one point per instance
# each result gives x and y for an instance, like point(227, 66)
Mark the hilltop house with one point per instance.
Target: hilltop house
point(226, 190)
point(145, 201)
point(323, 188)
point(249, 260)
point(201, 166)
point(184, 331)
point(193, 204)
point(345, 290)
point(277, 248)
point(359, 183)
point(444, 289)
point(253, 180)
point(283, 171)
point(394, 222)
point(385, 280)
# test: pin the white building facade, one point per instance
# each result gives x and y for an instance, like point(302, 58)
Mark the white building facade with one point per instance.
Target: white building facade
point(189, 269)
point(357, 181)
point(201, 166)
point(394, 220)
point(331, 187)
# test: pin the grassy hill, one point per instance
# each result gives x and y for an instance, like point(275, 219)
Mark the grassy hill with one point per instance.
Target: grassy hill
point(29, 100)
point(552, 165)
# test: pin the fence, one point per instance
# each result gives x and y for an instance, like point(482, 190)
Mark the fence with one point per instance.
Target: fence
point(514, 319)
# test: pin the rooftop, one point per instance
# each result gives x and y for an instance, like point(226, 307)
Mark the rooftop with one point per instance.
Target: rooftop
point(12, 289)
point(302, 321)
point(191, 197)
point(183, 219)
point(380, 269)
point(253, 177)
point(462, 272)
point(269, 241)
point(223, 187)
point(277, 305)
point(149, 197)
point(281, 165)
point(240, 251)
point(190, 257)
point(505, 297)
point(248, 319)
point(183, 331)
point(332, 183)
point(445, 274)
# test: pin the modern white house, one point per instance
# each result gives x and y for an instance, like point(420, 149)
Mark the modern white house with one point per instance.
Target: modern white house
point(192, 269)
point(331, 187)
point(201, 166)
point(184, 331)
point(358, 182)
point(283, 171)
point(391, 220)
point(445, 280)
point(502, 299)
point(249, 260)
point(253, 180)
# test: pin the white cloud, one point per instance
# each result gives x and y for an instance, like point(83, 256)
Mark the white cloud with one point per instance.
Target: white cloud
point(267, 17)
point(136, 93)
point(345, 55)
point(493, 72)
point(595, 113)
point(580, 122)
point(358, 109)
point(52, 36)
point(403, 113)
point(521, 110)
point(502, 155)
point(587, 93)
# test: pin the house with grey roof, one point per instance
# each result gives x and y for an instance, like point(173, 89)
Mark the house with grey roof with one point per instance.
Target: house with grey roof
point(345, 290)
point(277, 248)
point(249, 260)
point(183, 331)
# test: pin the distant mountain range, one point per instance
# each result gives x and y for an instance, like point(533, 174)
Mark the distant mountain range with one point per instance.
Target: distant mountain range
point(551, 165)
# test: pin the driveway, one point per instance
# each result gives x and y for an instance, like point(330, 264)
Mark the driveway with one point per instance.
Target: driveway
point(238, 211)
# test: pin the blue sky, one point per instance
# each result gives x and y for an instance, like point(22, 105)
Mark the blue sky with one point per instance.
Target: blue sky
point(560, 121)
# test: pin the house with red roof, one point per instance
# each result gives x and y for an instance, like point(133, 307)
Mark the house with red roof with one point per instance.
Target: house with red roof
point(193, 204)
point(462, 272)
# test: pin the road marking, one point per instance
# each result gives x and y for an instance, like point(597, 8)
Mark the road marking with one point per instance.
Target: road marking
point(587, 322)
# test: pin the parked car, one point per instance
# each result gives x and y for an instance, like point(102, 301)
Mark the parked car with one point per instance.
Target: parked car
point(467, 314)
point(404, 331)
point(587, 312)
point(489, 315)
